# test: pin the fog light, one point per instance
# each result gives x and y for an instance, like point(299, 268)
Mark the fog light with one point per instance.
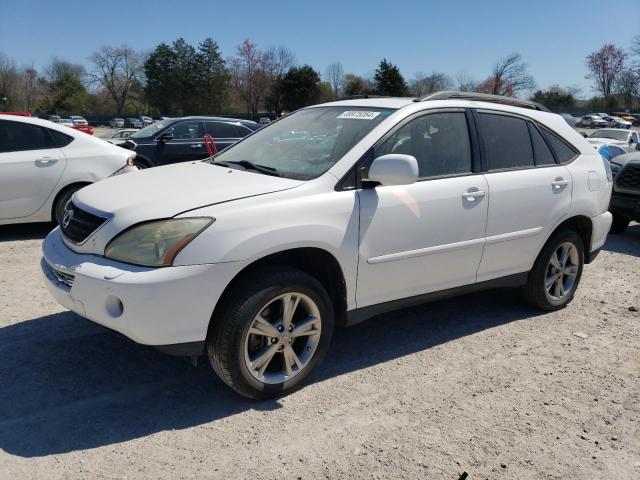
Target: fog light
point(114, 306)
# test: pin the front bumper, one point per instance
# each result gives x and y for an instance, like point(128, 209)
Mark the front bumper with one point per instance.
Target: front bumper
point(161, 307)
point(625, 204)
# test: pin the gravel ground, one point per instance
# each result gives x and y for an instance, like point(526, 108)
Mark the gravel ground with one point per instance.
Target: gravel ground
point(479, 384)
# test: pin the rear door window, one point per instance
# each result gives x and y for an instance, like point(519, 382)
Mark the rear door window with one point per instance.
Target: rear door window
point(18, 136)
point(221, 130)
point(506, 141)
point(541, 150)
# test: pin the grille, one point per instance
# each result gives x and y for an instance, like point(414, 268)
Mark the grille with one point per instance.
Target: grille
point(77, 225)
point(630, 177)
point(62, 277)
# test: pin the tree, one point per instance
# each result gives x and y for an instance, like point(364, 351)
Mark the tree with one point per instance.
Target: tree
point(9, 83)
point(32, 88)
point(554, 96)
point(161, 81)
point(464, 82)
point(300, 87)
point(635, 51)
point(247, 75)
point(389, 81)
point(509, 77)
point(425, 84)
point(334, 74)
point(116, 69)
point(627, 86)
point(66, 91)
point(276, 62)
point(356, 85)
point(604, 67)
point(212, 78)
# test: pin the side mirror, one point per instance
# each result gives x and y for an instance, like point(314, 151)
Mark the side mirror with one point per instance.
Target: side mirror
point(584, 134)
point(165, 136)
point(394, 169)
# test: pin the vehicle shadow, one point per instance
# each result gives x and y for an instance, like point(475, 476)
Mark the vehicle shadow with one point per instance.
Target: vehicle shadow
point(26, 231)
point(68, 385)
point(627, 243)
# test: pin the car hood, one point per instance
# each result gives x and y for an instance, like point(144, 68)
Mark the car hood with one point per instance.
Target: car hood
point(633, 158)
point(164, 192)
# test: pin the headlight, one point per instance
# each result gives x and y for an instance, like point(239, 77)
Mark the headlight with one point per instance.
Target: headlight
point(156, 243)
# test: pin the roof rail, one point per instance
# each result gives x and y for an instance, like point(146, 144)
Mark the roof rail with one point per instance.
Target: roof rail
point(364, 95)
point(483, 97)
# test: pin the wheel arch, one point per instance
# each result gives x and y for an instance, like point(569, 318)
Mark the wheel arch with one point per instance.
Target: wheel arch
point(317, 262)
point(582, 225)
point(61, 192)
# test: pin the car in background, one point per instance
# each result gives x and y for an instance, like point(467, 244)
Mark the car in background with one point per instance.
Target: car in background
point(119, 137)
point(145, 120)
point(591, 121)
point(182, 139)
point(570, 119)
point(42, 164)
point(619, 122)
point(625, 198)
point(133, 123)
point(78, 120)
point(116, 123)
point(54, 118)
point(628, 140)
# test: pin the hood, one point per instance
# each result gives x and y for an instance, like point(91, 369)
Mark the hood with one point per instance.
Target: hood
point(163, 192)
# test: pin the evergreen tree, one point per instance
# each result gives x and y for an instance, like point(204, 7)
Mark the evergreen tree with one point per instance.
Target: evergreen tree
point(300, 87)
point(389, 81)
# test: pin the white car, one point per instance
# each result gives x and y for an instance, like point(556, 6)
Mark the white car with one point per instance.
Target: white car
point(253, 256)
point(620, 122)
point(120, 136)
point(626, 139)
point(42, 164)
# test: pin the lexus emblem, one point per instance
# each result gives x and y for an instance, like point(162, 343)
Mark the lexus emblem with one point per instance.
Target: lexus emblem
point(66, 218)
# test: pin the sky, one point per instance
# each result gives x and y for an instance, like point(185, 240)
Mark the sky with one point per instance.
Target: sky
point(553, 36)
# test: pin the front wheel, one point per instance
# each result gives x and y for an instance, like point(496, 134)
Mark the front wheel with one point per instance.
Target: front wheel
point(271, 333)
point(556, 273)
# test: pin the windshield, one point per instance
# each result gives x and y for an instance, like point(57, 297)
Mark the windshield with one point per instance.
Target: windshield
point(150, 130)
point(308, 142)
point(613, 134)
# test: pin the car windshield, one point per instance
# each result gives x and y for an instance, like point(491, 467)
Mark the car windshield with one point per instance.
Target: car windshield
point(306, 143)
point(612, 134)
point(149, 131)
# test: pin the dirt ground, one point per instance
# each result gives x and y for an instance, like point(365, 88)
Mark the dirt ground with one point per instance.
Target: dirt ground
point(479, 384)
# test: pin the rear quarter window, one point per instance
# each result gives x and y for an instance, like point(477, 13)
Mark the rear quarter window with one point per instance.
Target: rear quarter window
point(563, 151)
point(60, 139)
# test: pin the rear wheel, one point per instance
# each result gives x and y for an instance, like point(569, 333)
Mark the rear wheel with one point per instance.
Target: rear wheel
point(140, 164)
point(619, 224)
point(555, 275)
point(271, 333)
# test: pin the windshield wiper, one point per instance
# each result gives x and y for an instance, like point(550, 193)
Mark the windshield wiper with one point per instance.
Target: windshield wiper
point(247, 165)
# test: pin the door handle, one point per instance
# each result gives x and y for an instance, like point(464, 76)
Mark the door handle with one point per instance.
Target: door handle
point(46, 161)
point(559, 182)
point(196, 145)
point(472, 195)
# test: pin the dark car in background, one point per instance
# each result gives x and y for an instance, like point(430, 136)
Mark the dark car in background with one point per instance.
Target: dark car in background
point(133, 123)
point(182, 139)
point(625, 198)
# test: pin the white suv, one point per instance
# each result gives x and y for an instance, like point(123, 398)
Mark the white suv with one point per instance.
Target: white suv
point(329, 216)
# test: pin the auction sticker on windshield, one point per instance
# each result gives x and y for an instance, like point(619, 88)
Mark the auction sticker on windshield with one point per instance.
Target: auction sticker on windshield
point(359, 115)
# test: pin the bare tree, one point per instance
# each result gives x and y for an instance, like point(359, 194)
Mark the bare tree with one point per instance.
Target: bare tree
point(464, 82)
point(247, 75)
point(509, 77)
point(116, 69)
point(604, 67)
point(59, 69)
point(334, 74)
point(9, 82)
point(32, 88)
point(276, 61)
point(425, 84)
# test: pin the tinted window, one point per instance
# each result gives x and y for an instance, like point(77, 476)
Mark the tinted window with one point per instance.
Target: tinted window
point(563, 152)
point(616, 151)
point(16, 136)
point(541, 151)
point(439, 142)
point(187, 130)
point(506, 141)
point(60, 139)
point(634, 137)
point(221, 130)
point(241, 131)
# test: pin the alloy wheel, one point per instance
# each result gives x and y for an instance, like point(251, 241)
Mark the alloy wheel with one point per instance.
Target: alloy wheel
point(562, 272)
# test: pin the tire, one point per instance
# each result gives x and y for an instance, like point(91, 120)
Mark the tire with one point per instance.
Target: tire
point(61, 202)
point(140, 164)
point(619, 224)
point(538, 292)
point(235, 353)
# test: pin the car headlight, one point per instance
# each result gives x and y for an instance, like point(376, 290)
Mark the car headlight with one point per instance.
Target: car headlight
point(155, 243)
